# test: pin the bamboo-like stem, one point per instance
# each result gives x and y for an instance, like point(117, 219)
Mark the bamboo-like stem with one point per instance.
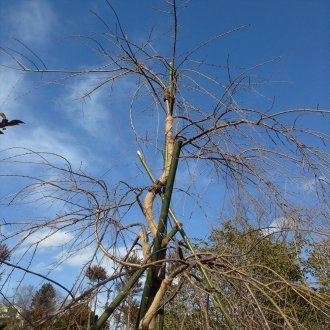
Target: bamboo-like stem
point(162, 225)
point(153, 281)
point(169, 236)
point(119, 298)
point(128, 286)
point(162, 231)
point(170, 88)
point(184, 236)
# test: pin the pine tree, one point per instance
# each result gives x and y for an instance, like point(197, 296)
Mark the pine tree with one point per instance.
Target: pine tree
point(43, 302)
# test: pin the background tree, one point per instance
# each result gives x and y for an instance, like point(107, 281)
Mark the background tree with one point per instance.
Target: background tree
point(79, 317)
point(23, 296)
point(29, 306)
point(43, 303)
point(11, 316)
point(4, 254)
point(319, 262)
point(277, 278)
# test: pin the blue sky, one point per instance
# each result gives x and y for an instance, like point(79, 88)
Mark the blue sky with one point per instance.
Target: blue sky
point(94, 133)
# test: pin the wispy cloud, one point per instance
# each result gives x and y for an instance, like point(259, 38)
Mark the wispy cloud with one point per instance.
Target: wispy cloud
point(86, 255)
point(49, 238)
point(30, 21)
point(35, 135)
point(90, 113)
point(41, 139)
point(77, 259)
point(311, 185)
point(49, 267)
point(277, 225)
point(12, 79)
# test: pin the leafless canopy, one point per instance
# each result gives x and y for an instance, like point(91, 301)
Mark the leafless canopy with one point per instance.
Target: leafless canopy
point(254, 154)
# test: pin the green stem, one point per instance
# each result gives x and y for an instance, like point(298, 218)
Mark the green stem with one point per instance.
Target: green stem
point(153, 281)
point(184, 236)
point(170, 87)
point(169, 236)
point(162, 225)
point(116, 302)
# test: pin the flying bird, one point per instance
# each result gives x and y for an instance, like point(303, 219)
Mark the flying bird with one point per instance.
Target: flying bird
point(5, 122)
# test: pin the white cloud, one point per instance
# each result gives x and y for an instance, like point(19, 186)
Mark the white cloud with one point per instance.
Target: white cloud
point(311, 184)
point(33, 135)
point(77, 259)
point(90, 113)
point(11, 79)
point(30, 21)
point(277, 225)
point(59, 143)
point(86, 254)
point(33, 23)
point(40, 139)
point(50, 267)
point(49, 238)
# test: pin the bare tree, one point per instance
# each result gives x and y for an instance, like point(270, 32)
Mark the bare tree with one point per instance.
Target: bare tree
point(253, 152)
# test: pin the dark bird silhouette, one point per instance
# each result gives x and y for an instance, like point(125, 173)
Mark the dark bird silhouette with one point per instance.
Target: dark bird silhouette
point(5, 122)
